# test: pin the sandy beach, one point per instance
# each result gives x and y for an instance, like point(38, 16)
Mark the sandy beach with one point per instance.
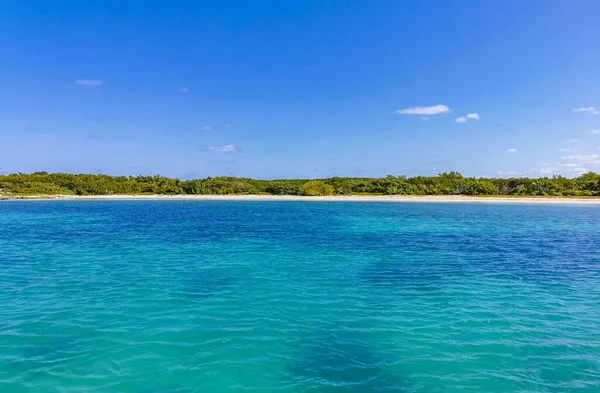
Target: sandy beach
point(340, 198)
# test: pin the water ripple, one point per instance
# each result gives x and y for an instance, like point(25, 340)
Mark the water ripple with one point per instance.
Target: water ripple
point(298, 297)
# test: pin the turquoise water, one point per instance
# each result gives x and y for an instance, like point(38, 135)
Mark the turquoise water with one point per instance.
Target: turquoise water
point(192, 296)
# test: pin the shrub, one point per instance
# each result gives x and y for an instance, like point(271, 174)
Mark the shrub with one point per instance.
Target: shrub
point(316, 188)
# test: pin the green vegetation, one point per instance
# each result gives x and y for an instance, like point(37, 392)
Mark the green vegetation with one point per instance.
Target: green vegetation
point(316, 188)
point(453, 183)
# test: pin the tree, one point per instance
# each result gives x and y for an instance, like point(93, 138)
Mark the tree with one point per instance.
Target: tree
point(316, 188)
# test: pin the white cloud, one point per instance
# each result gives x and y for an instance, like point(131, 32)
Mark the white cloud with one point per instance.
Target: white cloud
point(207, 127)
point(568, 164)
point(572, 140)
point(563, 149)
point(424, 110)
point(577, 160)
point(89, 82)
point(578, 170)
point(589, 109)
point(183, 89)
point(581, 157)
point(223, 149)
point(595, 132)
point(509, 173)
point(511, 150)
point(469, 116)
point(547, 170)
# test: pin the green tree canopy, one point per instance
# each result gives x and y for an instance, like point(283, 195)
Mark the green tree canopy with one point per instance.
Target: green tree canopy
point(452, 183)
point(316, 188)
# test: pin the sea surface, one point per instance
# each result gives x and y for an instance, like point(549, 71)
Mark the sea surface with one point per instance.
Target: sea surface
point(222, 296)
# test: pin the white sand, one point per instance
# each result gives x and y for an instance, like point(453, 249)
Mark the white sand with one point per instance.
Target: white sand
point(353, 198)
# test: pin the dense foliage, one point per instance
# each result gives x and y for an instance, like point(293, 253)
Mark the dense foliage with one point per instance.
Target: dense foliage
point(316, 188)
point(453, 183)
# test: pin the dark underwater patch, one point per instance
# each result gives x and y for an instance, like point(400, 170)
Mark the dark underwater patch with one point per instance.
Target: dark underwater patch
point(336, 363)
point(52, 350)
point(44, 354)
point(399, 278)
point(206, 284)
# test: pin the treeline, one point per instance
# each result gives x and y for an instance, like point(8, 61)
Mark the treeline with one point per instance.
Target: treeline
point(453, 183)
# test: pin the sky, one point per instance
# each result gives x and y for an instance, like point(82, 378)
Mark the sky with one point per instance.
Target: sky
point(300, 89)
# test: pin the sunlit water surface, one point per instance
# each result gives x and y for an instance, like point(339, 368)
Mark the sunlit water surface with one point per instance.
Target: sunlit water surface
point(199, 296)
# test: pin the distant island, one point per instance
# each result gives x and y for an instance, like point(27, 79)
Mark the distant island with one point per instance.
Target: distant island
point(452, 183)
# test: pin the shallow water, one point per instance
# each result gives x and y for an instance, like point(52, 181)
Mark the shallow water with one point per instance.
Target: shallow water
point(220, 296)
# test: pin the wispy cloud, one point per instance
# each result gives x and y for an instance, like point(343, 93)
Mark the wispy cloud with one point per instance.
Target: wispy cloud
point(183, 89)
point(589, 109)
point(578, 160)
point(547, 170)
point(207, 127)
point(511, 150)
point(578, 170)
point(424, 110)
point(568, 164)
point(506, 173)
point(595, 132)
point(461, 119)
point(223, 149)
point(89, 82)
point(581, 157)
point(572, 140)
point(563, 149)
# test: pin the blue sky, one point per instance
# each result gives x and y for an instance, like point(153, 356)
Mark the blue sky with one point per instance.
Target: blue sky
point(282, 89)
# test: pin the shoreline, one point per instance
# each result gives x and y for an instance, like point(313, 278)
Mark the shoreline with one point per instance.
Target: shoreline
point(339, 198)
